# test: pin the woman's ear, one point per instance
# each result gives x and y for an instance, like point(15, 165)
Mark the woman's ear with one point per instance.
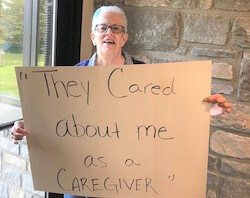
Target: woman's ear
point(124, 38)
point(92, 36)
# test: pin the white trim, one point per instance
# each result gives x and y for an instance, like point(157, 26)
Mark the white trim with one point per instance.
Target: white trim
point(55, 3)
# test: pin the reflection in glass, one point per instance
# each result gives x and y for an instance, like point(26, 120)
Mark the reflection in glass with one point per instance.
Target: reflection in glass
point(11, 50)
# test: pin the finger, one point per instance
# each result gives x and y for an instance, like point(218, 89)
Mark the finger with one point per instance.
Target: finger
point(226, 105)
point(17, 136)
point(19, 130)
point(217, 98)
point(23, 131)
point(214, 98)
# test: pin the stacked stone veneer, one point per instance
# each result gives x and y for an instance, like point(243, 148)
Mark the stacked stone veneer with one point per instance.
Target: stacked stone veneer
point(219, 30)
point(15, 172)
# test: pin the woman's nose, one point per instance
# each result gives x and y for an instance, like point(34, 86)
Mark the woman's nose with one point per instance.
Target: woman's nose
point(109, 30)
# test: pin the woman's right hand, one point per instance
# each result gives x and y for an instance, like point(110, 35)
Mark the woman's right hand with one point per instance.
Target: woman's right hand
point(18, 131)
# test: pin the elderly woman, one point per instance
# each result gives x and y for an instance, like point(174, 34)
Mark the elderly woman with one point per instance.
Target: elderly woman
point(109, 35)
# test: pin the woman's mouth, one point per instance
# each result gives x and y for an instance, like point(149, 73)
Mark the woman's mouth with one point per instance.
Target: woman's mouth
point(109, 42)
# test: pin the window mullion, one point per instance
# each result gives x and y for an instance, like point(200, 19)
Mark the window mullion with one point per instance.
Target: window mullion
point(30, 32)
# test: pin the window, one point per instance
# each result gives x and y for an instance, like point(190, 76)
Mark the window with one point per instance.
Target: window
point(25, 40)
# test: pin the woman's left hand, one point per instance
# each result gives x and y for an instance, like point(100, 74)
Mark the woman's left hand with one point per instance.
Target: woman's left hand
point(219, 104)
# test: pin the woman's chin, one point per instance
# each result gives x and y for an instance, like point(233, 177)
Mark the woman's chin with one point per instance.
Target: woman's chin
point(108, 50)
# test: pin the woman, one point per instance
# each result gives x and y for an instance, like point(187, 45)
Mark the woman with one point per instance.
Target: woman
point(109, 35)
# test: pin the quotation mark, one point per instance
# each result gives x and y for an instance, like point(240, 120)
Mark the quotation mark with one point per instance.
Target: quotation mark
point(171, 177)
point(23, 75)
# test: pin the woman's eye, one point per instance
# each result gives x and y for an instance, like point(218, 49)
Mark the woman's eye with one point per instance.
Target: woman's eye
point(103, 28)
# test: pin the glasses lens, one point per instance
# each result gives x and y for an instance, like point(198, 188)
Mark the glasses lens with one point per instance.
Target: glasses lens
point(101, 28)
point(116, 29)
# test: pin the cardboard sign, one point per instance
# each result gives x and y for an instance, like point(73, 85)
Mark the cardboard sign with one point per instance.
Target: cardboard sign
point(118, 131)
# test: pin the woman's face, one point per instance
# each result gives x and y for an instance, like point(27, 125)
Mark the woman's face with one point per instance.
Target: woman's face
point(109, 42)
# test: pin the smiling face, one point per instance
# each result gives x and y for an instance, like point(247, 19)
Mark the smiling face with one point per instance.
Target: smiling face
point(109, 43)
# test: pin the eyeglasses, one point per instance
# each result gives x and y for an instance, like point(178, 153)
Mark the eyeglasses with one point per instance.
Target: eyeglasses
point(116, 29)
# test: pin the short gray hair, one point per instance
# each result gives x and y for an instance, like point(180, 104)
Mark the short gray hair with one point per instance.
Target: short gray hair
point(105, 9)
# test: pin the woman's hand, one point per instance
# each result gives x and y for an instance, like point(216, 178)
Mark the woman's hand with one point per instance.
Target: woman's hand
point(18, 131)
point(219, 104)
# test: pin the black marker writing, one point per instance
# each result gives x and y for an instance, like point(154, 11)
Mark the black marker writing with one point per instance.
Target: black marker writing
point(147, 88)
point(92, 161)
point(58, 180)
point(151, 129)
point(106, 184)
point(64, 128)
point(109, 83)
point(130, 162)
point(62, 88)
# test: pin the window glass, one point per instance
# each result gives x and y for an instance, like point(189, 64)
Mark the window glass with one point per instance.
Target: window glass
point(11, 50)
point(11, 55)
point(11, 38)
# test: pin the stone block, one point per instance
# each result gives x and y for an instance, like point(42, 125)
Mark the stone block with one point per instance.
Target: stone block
point(172, 57)
point(98, 3)
point(212, 180)
point(38, 194)
point(215, 53)
point(113, 2)
point(212, 163)
point(14, 160)
point(3, 190)
point(211, 194)
point(8, 145)
point(28, 195)
point(24, 152)
point(235, 189)
point(10, 175)
point(239, 5)
point(149, 3)
point(206, 4)
point(214, 32)
point(238, 119)
point(235, 168)
point(5, 132)
point(141, 58)
point(27, 182)
point(28, 167)
point(243, 92)
point(222, 89)
point(222, 71)
point(184, 3)
point(153, 30)
point(181, 50)
point(16, 193)
point(229, 144)
point(0, 161)
point(241, 32)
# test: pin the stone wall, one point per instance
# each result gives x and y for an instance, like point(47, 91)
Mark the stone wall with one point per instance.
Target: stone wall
point(219, 30)
point(15, 171)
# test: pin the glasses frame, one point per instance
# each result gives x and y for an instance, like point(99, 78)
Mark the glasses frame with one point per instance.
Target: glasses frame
point(111, 27)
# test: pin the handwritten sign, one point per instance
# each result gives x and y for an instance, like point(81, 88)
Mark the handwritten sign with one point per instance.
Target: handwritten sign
point(118, 131)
